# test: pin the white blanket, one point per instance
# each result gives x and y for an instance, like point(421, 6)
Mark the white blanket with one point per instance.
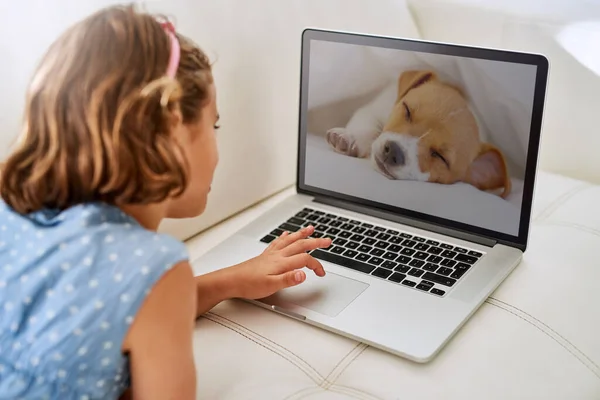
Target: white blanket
point(459, 202)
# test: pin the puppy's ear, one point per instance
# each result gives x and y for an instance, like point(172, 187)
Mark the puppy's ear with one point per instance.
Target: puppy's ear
point(488, 170)
point(409, 80)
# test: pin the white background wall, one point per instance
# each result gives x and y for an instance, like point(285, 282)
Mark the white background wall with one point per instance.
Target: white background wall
point(256, 45)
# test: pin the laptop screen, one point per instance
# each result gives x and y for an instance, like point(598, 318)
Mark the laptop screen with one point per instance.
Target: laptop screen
point(436, 132)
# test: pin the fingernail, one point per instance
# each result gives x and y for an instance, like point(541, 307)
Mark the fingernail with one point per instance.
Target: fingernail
point(298, 276)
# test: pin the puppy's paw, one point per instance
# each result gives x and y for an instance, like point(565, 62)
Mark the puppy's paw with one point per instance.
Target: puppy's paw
point(341, 142)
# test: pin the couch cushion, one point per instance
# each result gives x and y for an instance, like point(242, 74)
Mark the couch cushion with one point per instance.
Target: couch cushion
point(535, 337)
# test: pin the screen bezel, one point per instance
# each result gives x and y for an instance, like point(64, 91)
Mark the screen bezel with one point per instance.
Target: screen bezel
point(519, 241)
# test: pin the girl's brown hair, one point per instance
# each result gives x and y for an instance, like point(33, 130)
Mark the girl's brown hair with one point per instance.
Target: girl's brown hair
point(100, 115)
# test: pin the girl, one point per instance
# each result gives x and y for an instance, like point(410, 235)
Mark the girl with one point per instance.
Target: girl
point(118, 134)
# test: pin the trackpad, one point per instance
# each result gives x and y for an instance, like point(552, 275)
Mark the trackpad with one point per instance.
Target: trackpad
point(327, 295)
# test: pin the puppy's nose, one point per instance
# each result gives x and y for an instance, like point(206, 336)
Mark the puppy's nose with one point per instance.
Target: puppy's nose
point(393, 154)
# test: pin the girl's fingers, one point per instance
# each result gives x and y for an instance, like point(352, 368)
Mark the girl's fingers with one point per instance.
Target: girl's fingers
point(292, 237)
point(274, 243)
point(299, 261)
point(304, 245)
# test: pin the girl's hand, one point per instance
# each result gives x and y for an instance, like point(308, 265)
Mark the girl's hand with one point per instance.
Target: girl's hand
point(278, 266)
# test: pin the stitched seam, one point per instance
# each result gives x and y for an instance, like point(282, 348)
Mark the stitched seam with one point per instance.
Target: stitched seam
point(583, 228)
point(302, 393)
point(549, 328)
point(358, 350)
point(307, 371)
point(349, 390)
point(270, 342)
point(547, 334)
point(560, 200)
point(341, 360)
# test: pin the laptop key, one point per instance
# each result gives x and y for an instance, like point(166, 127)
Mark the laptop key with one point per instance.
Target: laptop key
point(357, 238)
point(448, 263)
point(343, 261)
point(442, 280)
point(445, 271)
point(389, 264)
point(418, 239)
point(421, 255)
point(289, 227)
point(345, 234)
point(347, 227)
point(379, 228)
point(268, 239)
point(319, 212)
point(317, 235)
point(301, 214)
point(434, 259)
point(407, 252)
point(313, 217)
point(421, 246)
point(392, 232)
point(424, 287)
point(351, 253)
point(446, 246)
point(460, 250)
point(437, 292)
point(340, 241)
point(381, 244)
point(363, 248)
point(395, 248)
point(384, 236)
point(435, 250)
point(466, 259)
point(371, 233)
point(405, 235)
point(402, 268)
point(381, 273)
point(408, 243)
point(352, 245)
point(474, 253)
point(416, 263)
point(333, 231)
point(448, 254)
point(277, 232)
point(457, 274)
point(409, 283)
point(396, 277)
point(359, 229)
point(331, 216)
point(375, 260)
point(363, 257)
point(396, 239)
point(335, 224)
point(367, 225)
point(430, 267)
point(416, 272)
point(324, 220)
point(389, 256)
point(377, 252)
point(403, 259)
point(337, 250)
point(370, 241)
point(432, 242)
point(462, 266)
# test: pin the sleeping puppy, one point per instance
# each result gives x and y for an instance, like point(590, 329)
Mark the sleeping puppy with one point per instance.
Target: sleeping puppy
point(423, 129)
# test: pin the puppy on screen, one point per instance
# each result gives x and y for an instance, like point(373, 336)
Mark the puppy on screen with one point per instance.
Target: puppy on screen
point(423, 129)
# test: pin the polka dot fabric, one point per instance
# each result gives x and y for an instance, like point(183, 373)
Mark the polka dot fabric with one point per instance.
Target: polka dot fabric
point(71, 283)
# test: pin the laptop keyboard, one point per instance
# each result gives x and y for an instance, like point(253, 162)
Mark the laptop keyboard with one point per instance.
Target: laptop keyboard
point(398, 257)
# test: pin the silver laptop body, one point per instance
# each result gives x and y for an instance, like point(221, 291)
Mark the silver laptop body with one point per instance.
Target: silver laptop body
point(412, 260)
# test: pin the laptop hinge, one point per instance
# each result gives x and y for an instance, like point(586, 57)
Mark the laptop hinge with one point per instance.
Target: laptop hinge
point(442, 230)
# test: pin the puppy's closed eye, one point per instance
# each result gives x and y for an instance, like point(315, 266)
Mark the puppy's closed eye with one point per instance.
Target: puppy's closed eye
point(436, 154)
point(408, 113)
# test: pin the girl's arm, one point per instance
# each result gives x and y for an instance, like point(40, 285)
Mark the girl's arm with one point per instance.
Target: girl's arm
point(160, 339)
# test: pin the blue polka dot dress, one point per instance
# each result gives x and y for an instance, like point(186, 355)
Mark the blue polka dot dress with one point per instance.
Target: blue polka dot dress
point(71, 283)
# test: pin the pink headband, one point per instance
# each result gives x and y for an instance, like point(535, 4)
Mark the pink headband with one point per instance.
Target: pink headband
point(175, 49)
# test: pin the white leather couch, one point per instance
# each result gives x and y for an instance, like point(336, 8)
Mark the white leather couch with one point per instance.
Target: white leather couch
point(535, 338)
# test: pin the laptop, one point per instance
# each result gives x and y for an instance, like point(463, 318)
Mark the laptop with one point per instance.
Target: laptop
point(419, 160)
